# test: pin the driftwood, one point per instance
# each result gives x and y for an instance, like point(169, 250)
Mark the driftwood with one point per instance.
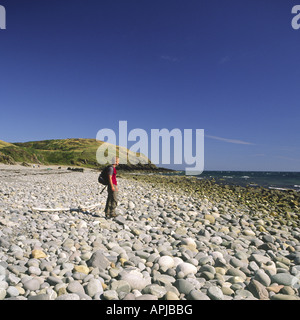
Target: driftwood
point(50, 210)
point(90, 207)
point(80, 208)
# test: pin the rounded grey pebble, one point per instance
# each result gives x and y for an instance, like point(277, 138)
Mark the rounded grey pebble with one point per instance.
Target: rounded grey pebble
point(215, 293)
point(32, 285)
point(68, 296)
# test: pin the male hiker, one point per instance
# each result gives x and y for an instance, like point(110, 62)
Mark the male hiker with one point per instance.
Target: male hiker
point(112, 196)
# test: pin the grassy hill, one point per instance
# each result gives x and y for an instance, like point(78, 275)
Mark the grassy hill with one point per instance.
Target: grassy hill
point(4, 144)
point(76, 152)
point(10, 153)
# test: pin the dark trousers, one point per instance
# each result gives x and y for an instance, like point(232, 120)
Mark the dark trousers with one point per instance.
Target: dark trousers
point(111, 202)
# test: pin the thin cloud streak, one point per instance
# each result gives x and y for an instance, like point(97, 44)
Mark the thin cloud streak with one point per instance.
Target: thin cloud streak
point(169, 58)
point(235, 141)
point(287, 158)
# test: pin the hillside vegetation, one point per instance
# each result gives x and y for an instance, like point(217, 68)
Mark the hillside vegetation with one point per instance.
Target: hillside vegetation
point(76, 152)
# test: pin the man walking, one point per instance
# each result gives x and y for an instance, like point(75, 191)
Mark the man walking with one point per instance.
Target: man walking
point(112, 195)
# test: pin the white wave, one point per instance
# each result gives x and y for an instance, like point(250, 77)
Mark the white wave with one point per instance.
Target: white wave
point(283, 189)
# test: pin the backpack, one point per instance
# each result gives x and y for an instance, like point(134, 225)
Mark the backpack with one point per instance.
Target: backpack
point(103, 177)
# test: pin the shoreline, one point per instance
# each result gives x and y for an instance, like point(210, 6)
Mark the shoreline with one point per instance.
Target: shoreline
point(175, 238)
point(206, 175)
point(288, 200)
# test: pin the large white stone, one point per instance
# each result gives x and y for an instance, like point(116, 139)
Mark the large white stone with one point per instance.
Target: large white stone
point(166, 262)
point(189, 242)
point(135, 279)
point(186, 268)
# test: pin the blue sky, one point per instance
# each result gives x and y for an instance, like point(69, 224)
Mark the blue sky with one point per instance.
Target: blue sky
point(230, 67)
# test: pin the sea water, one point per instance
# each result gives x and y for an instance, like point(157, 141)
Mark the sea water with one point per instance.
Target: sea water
point(266, 179)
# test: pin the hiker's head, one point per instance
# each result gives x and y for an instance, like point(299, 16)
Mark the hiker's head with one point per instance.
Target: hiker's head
point(115, 161)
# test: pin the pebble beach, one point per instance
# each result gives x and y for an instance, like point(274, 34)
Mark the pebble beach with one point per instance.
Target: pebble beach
point(173, 239)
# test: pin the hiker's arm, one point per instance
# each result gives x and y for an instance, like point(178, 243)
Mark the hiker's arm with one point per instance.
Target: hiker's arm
point(110, 182)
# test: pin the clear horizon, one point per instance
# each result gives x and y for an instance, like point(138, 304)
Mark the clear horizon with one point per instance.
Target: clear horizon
point(230, 68)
